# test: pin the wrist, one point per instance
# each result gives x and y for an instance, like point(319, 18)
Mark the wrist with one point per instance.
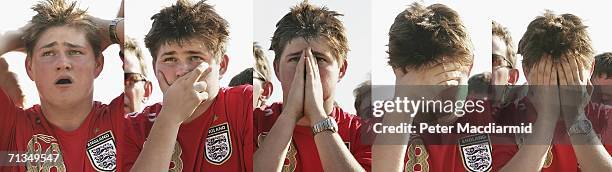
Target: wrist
point(314, 119)
point(168, 118)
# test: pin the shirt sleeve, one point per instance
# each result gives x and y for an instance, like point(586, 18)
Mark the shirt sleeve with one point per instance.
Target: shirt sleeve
point(8, 114)
point(132, 142)
point(361, 152)
point(248, 132)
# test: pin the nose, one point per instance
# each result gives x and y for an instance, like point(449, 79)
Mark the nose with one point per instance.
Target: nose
point(63, 63)
point(182, 69)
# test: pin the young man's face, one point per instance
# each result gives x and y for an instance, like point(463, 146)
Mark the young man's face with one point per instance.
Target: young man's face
point(135, 83)
point(174, 61)
point(63, 66)
point(330, 69)
point(603, 85)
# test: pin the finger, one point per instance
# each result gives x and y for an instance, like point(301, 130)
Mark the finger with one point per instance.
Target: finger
point(535, 74)
point(561, 73)
point(448, 76)
point(548, 72)
point(200, 86)
point(576, 71)
point(554, 74)
point(314, 64)
point(541, 70)
point(310, 65)
point(163, 82)
point(444, 67)
point(197, 73)
point(299, 76)
point(569, 78)
point(203, 96)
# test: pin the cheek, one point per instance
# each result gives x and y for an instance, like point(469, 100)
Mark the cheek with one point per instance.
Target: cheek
point(167, 72)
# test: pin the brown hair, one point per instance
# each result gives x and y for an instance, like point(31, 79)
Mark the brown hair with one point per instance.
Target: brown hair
point(362, 91)
point(421, 36)
point(184, 21)
point(52, 13)
point(503, 33)
point(310, 22)
point(130, 45)
point(261, 62)
point(557, 35)
point(603, 64)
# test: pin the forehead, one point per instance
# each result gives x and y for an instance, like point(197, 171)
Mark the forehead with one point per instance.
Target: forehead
point(187, 46)
point(318, 44)
point(62, 34)
point(131, 63)
point(499, 46)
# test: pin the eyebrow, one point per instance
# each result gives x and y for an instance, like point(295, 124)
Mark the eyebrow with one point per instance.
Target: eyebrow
point(72, 45)
point(195, 52)
point(49, 45)
point(54, 43)
point(169, 53)
point(316, 53)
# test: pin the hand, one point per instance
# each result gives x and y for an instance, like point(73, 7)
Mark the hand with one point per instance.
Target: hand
point(185, 94)
point(313, 90)
point(573, 94)
point(418, 80)
point(543, 92)
point(294, 106)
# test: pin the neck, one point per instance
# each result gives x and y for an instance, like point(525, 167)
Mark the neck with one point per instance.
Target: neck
point(200, 109)
point(67, 117)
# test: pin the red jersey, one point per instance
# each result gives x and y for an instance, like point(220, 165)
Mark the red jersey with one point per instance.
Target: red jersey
point(452, 152)
point(91, 147)
point(303, 154)
point(560, 157)
point(219, 139)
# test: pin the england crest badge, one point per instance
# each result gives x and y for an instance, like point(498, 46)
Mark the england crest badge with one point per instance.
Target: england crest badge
point(218, 145)
point(102, 152)
point(476, 152)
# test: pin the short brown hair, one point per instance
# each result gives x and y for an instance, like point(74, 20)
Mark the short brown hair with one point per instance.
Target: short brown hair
point(603, 64)
point(261, 62)
point(130, 45)
point(362, 91)
point(53, 13)
point(310, 22)
point(184, 21)
point(503, 33)
point(421, 36)
point(557, 35)
point(479, 83)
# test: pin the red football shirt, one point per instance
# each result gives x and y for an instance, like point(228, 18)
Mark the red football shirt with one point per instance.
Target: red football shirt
point(218, 140)
point(444, 151)
point(91, 147)
point(303, 154)
point(560, 157)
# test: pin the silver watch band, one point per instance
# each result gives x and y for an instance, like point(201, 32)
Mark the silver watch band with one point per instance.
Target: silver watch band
point(328, 124)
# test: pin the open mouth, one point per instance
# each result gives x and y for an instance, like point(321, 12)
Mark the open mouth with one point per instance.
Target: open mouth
point(63, 81)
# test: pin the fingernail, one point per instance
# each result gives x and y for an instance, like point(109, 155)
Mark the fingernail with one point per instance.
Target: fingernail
point(203, 66)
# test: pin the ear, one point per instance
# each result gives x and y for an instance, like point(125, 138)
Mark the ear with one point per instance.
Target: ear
point(148, 87)
point(276, 69)
point(268, 88)
point(28, 66)
point(223, 65)
point(99, 65)
point(514, 76)
point(343, 70)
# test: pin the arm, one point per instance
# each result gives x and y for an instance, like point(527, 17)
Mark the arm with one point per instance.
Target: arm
point(387, 156)
point(10, 84)
point(180, 101)
point(590, 153)
point(334, 155)
point(271, 154)
point(544, 97)
point(11, 40)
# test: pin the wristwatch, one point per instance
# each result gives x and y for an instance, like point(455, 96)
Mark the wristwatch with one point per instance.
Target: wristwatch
point(328, 124)
point(581, 127)
point(112, 30)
